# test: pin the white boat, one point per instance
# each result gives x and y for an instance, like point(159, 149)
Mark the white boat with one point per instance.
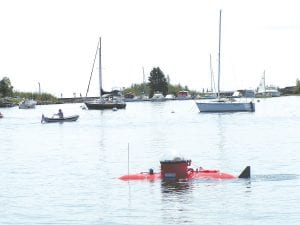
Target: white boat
point(212, 93)
point(208, 95)
point(170, 97)
point(220, 105)
point(225, 106)
point(27, 104)
point(183, 95)
point(158, 97)
point(263, 91)
point(272, 92)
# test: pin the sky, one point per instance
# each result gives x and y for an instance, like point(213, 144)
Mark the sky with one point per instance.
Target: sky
point(53, 43)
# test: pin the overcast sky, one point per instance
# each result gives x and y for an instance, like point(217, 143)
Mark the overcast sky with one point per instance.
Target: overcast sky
point(54, 42)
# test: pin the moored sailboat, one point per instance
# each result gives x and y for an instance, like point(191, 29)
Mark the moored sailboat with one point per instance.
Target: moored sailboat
point(263, 91)
point(224, 105)
point(106, 100)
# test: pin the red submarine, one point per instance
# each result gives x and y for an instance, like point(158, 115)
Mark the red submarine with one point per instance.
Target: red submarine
point(179, 169)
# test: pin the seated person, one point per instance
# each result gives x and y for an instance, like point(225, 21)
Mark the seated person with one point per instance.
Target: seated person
point(60, 114)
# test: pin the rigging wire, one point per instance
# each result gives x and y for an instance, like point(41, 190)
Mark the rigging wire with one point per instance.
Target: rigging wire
point(92, 69)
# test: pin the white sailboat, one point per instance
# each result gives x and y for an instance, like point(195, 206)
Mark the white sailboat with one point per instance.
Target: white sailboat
point(263, 91)
point(221, 105)
point(212, 93)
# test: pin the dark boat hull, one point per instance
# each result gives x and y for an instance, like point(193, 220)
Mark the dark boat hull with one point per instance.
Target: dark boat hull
point(6, 104)
point(102, 106)
point(60, 120)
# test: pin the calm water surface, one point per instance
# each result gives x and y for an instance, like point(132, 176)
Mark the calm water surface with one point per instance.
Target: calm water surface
point(67, 173)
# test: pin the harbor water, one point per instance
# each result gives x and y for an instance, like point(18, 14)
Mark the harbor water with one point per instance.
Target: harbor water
point(67, 173)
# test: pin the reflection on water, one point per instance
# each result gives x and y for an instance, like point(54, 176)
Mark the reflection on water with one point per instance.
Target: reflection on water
point(175, 202)
point(220, 131)
point(275, 177)
point(175, 187)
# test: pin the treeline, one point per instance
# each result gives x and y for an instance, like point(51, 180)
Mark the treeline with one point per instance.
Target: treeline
point(8, 94)
point(157, 82)
point(43, 97)
point(138, 89)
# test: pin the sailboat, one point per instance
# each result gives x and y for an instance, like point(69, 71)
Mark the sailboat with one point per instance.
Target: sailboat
point(263, 91)
point(210, 94)
point(223, 105)
point(106, 100)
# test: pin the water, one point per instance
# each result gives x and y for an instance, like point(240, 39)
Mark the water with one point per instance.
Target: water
point(67, 173)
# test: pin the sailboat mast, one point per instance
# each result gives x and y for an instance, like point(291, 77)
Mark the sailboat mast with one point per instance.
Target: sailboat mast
point(143, 81)
point(264, 81)
point(219, 60)
point(100, 70)
point(143, 75)
point(211, 74)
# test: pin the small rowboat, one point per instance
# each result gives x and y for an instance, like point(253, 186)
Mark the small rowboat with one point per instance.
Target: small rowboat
point(59, 120)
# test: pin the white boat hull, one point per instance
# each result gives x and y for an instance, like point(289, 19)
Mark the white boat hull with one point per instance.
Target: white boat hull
point(27, 104)
point(226, 107)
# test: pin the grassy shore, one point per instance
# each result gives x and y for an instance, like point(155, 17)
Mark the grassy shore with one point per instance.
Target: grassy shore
point(17, 97)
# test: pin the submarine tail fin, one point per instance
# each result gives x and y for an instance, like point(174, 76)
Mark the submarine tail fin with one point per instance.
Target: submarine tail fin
point(246, 173)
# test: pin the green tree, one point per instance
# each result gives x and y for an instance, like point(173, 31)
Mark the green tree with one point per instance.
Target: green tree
point(137, 89)
point(6, 89)
point(157, 82)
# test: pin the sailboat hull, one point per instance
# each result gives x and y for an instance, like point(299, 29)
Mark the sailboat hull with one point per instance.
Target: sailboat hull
point(104, 105)
point(226, 107)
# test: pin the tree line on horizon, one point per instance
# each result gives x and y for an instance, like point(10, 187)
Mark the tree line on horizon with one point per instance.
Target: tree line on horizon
point(157, 82)
point(7, 90)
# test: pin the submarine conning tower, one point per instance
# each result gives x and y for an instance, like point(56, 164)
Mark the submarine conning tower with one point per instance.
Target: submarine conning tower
point(174, 169)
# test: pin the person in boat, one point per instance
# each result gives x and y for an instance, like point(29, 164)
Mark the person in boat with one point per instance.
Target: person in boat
point(60, 114)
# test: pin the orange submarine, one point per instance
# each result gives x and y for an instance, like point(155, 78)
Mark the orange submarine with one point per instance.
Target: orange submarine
point(179, 169)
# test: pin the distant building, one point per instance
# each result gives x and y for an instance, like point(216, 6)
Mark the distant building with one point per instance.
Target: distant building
point(247, 93)
point(289, 90)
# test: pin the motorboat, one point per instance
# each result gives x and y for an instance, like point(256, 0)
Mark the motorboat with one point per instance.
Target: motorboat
point(27, 104)
point(183, 95)
point(170, 97)
point(158, 97)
